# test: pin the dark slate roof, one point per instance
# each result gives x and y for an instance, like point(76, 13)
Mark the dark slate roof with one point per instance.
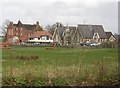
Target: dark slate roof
point(109, 34)
point(61, 30)
point(72, 28)
point(87, 31)
point(27, 26)
point(117, 36)
point(99, 29)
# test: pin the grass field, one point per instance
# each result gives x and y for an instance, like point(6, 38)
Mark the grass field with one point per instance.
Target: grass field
point(58, 66)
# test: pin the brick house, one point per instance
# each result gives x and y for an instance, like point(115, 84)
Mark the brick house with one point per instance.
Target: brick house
point(4, 44)
point(17, 33)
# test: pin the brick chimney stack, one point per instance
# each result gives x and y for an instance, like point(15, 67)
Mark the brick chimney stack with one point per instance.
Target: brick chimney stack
point(10, 26)
point(38, 28)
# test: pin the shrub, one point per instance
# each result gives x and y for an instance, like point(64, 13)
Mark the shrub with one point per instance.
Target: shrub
point(32, 57)
point(109, 45)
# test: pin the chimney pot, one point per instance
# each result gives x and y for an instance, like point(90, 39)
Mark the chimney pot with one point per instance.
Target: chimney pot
point(37, 23)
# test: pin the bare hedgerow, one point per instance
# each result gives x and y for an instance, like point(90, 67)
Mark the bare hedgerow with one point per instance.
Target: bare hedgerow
point(23, 57)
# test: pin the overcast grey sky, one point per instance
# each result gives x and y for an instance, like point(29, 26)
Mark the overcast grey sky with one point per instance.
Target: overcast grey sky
point(74, 12)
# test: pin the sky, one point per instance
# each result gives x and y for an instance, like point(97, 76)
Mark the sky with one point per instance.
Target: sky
point(73, 12)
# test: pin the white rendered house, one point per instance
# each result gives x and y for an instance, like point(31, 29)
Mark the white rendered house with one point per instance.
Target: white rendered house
point(40, 37)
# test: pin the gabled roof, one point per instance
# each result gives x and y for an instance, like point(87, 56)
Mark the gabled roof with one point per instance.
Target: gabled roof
point(117, 36)
point(62, 28)
point(10, 26)
point(87, 31)
point(27, 26)
point(109, 34)
point(38, 34)
point(38, 28)
point(99, 29)
point(72, 28)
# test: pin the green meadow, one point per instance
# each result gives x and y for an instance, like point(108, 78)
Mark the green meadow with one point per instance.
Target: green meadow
point(41, 66)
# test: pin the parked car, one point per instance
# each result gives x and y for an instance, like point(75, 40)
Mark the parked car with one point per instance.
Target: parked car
point(36, 43)
point(94, 44)
point(84, 44)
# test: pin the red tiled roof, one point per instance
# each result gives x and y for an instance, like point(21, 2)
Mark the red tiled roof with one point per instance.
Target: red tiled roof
point(40, 33)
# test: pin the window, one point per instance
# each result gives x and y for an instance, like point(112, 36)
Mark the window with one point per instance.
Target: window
point(43, 38)
point(47, 38)
point(30, 38)
point(38, 38)
point(51, 38)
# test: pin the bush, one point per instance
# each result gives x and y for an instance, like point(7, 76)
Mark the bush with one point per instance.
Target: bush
point(32, 57)
point(109, 45)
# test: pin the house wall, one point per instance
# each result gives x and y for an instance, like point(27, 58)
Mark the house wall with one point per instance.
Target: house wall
point(40, 39)
point(20, 32)
point(111, 38)
point(10, 34)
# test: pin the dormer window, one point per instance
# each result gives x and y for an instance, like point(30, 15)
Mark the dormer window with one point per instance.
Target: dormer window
point(43, 38)
point(47, 38)
point(30, 38)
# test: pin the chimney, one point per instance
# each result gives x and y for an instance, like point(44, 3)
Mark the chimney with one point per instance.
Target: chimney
point(38, 28)
point(37, 23)
point(11, 23)
point(10, 26)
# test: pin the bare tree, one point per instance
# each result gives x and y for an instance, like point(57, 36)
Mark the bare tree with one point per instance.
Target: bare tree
point(4, 28)
point(51, 29)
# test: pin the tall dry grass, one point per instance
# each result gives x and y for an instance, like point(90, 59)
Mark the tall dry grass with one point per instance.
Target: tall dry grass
point(53, 75)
